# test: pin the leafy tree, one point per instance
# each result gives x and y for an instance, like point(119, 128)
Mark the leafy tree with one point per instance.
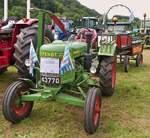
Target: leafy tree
point(18, 11)
point(69, 8)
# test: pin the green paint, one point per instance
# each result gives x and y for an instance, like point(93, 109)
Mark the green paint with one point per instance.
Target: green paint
point(82, 92)
point(59, 97)
point(41, 94)
point(32, 97)
point(56, 49)
point(70, 100)
point(68, 77)
point(107, 49)
point(41, 18)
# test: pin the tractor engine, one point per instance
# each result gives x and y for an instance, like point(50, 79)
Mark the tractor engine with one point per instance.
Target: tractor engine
point(60, 60)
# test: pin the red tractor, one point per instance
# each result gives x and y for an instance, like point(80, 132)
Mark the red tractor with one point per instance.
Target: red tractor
point(8, 37)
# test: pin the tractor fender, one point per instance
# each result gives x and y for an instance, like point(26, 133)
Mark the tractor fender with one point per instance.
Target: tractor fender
point(27, 22)
point(28, 81)
point(21, 24)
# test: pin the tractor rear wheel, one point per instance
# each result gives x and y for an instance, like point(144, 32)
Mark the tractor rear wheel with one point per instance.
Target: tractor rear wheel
point(22, 48)
point(107, 72)
point(92, 110)
point(14, 110)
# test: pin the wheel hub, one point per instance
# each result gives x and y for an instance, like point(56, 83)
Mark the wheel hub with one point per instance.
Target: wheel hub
point(97, 110)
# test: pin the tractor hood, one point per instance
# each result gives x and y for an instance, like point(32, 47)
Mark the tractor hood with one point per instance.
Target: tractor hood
point(57, 48)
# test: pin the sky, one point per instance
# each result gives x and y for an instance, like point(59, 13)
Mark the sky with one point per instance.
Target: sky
point(139, 7)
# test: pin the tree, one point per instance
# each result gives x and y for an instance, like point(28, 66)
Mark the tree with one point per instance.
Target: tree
point(69, 8)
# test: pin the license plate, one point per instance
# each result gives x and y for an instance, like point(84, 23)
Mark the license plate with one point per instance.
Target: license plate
point(50, 70)
point(50, 80)
point(50, 65)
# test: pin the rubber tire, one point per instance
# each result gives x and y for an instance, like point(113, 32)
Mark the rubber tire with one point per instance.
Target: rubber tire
point(5, 100)
point(22, 48)
point(89, 110)
point(139, 60)
point(126, 63)
point(105, 73)
point(8, 100)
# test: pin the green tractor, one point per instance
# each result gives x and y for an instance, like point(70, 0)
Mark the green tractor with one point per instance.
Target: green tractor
point(69, 72)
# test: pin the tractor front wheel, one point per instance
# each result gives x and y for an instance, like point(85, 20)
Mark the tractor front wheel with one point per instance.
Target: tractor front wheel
point(92, 110)
point(139, 60)
point(14, 110)
point(107, 72)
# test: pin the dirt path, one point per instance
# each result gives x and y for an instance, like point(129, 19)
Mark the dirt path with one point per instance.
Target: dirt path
point(146, 56)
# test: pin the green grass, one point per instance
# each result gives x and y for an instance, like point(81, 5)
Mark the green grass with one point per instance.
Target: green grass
point(125, 115)
point(7, 78)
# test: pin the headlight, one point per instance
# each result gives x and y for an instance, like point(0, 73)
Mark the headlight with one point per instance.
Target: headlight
point(27, 62)
point(93, 69)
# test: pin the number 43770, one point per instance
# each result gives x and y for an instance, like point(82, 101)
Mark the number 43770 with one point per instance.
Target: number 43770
point(50, 80)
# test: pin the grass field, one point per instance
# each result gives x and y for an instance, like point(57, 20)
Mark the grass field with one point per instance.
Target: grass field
point(125, 115)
